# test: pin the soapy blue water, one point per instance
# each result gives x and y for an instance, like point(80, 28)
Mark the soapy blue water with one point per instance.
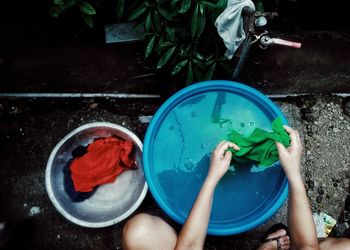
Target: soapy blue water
point(181, 155)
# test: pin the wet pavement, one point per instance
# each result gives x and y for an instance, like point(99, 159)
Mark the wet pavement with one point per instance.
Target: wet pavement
point(30, 128)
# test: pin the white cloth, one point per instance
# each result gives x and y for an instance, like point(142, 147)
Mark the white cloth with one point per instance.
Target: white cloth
point(230, 25)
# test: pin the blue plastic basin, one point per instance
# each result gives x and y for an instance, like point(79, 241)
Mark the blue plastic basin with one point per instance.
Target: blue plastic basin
point(177, 148)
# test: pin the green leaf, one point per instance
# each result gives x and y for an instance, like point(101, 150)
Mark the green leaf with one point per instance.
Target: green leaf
point(157, 22)
point(209, 61)
point(89, 21)
point(58, 2)
point(148, 22)
point(194, 22)
point(150, 46)
point(54, 11)
point(120, 9)
point(161, 39)
point(209, 4)
point(199, 55)
point(189, 74)
point(138, 12)
point(57, 10)
point(201, 23)
point(165, 45)
point(68, 4)
point(210, 72)
point(260, 7)
point(186, 4)
point(86, 8)
point(219, 8)
point(178, 67)
point(171, 34)
point(197, 72)
point(201, 8)
point(173, 2)
point(165, 57)
point(199, 63)
point(221, 4)
point(165, 14)
point(186, 51)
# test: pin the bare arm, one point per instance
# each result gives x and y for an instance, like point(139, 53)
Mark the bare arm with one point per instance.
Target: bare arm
point(194, 231)
point(300, 222)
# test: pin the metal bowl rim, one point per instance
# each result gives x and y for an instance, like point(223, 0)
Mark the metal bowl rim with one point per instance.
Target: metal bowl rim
point(49, 186)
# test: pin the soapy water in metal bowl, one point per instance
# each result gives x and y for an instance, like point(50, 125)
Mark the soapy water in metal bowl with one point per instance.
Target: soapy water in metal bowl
point(111, 203)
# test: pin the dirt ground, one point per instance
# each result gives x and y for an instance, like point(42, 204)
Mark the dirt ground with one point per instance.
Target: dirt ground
point(30, 128)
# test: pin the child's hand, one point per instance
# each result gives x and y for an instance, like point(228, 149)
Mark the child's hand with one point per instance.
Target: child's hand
point(290, 157)
point(220, 160)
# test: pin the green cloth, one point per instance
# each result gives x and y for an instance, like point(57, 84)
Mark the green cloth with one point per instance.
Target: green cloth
point(260, 145)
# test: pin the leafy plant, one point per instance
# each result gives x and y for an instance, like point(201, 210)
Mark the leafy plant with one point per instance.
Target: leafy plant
point(86, 10)
point(181, 36)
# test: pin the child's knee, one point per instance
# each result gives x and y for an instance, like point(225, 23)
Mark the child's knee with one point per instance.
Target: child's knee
point(135, 230)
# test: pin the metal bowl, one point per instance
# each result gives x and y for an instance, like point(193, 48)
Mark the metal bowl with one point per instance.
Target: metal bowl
point(111, 203)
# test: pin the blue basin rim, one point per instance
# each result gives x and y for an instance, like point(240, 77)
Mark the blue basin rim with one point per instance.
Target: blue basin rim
point(200, 88)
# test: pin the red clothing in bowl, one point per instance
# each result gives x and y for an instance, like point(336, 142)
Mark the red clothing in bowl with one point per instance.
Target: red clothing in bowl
point(105, 159)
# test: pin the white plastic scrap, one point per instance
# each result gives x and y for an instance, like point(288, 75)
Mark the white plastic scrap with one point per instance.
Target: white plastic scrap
point(34, 210)
point(145, 118)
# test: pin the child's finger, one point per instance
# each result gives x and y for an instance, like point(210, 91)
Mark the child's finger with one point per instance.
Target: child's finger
point(228, 156)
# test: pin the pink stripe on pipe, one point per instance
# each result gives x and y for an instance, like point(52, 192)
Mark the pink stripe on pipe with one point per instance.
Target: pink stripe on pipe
point(286, 43)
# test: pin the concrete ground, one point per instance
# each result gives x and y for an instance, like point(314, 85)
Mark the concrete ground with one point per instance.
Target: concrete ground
point(30, 128)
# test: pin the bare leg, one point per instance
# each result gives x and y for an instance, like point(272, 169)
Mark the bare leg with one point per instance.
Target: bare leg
point(335, 244)
point(283, 239)
point(145, 231)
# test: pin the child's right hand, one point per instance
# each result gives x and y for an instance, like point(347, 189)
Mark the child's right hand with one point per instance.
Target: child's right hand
point(290, 157)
